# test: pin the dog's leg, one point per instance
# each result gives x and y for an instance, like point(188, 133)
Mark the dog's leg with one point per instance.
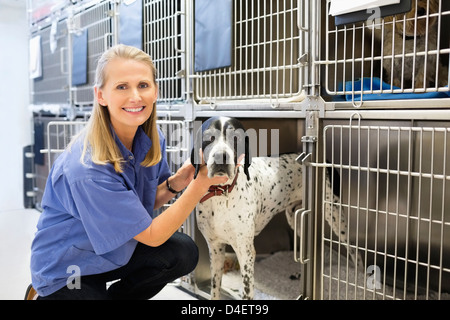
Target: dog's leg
point(338, 221)
point(245, 251)
point(217, 258)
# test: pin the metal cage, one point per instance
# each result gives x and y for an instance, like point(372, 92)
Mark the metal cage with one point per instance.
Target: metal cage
point(164, 40)
point(386, 56)
point(267, 45)
point(52, 87)
point(393, 182)
point(98, 21)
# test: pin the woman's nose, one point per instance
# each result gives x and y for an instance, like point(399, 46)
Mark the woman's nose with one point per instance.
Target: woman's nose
point(135, 95)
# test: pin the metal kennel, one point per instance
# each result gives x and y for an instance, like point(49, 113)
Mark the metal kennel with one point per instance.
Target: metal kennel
point(393, 182)
point(268, 52)
point(51, 87)
point(164, 33)
point(98, 22)
point(362, 48)
point(384, 141)
point(69, 41)
point(323, 79)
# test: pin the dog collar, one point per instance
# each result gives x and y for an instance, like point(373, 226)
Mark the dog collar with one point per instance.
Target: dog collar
point(217, 190)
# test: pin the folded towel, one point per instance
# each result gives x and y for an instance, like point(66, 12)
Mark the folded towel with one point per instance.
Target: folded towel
point(376, 84)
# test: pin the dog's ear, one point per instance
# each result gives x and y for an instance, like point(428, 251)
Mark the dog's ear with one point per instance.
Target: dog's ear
point(247, 160)
point(195, 162)
point(196, 154)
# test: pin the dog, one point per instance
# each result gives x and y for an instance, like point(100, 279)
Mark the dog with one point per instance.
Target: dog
point(234, 213)
point(420, 34)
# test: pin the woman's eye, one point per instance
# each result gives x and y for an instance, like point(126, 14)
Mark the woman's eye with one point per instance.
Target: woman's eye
point(121, 87)
point(143, 85)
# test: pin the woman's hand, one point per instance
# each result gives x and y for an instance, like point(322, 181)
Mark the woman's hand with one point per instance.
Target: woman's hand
point(165, 224)
point(183, 176)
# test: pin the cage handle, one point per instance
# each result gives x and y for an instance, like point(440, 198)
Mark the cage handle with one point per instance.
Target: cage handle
point(300, 21)
point(106, 40)
point(299, 242)
point(62, 60)
point(175, 28)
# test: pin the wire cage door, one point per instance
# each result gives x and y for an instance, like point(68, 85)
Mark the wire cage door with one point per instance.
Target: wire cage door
point(165, 41)
point(267, 43)
point(394, 187)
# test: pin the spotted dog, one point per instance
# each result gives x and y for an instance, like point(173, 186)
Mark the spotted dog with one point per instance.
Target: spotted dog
point(235, 212)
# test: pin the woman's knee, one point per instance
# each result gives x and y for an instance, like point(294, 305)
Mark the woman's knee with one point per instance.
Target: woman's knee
point(187, 252)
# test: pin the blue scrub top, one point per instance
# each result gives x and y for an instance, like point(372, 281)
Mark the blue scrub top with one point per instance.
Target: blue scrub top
point(91, 213)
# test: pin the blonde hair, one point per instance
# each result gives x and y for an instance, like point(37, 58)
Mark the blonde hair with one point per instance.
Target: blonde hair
point(98, 139)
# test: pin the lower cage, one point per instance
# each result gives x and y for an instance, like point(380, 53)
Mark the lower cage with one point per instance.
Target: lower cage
point(393, 179)
point(276, 272)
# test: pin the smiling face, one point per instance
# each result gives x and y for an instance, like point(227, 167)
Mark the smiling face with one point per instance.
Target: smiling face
point(129, 92)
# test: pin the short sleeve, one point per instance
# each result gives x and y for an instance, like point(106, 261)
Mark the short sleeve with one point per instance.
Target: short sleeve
point(164, 170)
point(111, 214)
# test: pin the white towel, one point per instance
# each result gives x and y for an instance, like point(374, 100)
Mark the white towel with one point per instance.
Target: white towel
point(35, 58)
point(339, 7)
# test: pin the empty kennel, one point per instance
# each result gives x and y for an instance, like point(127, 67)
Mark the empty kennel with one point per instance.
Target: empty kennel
point(257, 58)
point(164, 39)
point(393, 182)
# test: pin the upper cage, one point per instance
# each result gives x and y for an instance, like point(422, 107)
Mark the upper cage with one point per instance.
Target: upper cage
point(392, 52)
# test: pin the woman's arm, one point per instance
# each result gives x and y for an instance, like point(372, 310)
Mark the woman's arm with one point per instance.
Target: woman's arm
point(168, 222)
point(178, 181)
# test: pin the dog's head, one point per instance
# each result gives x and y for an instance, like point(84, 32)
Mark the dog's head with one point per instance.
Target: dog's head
point(421, 8)
point(224, 143)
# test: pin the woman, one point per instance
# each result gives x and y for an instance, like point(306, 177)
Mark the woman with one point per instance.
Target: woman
point(97, 224)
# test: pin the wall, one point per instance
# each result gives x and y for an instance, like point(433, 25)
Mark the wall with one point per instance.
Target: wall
point(15, 121)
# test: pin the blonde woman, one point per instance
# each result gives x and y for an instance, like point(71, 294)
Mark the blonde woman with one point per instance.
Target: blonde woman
point(97, 224)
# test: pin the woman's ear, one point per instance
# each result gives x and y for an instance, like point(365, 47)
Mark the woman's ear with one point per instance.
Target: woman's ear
point(99, 95)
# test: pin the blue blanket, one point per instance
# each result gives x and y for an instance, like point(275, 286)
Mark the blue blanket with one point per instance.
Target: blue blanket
point(377, 84)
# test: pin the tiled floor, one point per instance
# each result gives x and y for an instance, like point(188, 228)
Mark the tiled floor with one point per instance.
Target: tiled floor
point(17, 229)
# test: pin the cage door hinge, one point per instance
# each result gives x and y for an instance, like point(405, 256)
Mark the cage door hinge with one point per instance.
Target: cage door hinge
point(314, 109)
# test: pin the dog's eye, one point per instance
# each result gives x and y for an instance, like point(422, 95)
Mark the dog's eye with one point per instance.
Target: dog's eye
point(208, 137)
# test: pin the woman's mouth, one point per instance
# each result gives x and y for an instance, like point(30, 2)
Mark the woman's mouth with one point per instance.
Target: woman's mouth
point(134, 110)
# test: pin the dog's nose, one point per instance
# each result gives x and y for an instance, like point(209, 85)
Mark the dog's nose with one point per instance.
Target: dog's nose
point(221, 157)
